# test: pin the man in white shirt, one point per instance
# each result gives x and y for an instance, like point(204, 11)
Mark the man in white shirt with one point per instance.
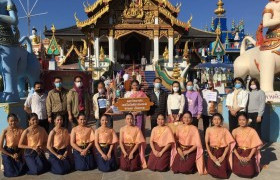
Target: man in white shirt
point(36, 103)
point(143, 63)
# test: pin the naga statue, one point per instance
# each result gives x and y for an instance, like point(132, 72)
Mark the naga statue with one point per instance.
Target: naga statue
point(262, 61)
point(17, 63)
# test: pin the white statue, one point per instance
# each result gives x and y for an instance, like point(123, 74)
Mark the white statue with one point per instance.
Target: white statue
point(262, 61)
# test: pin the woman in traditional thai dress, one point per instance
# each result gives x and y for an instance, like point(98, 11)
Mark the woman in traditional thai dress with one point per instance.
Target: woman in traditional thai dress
point(11, 154)
point(81, 140)
point(105, 146)
point(136, 93)
point(34, 141)
point(246, 156)
point(161, 142)
point(219, 144)
point(58, 145)
point(187, 156)
point(132, 144)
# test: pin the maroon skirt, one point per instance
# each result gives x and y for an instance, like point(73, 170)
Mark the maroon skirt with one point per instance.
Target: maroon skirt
point(246, 170)
point(162, 163)
point(186, 165)
point(221, 172)
point(134, 164)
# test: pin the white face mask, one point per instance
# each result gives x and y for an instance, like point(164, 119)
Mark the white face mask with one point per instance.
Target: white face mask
point(101, 91)
point(175, 89)
point(78, 84)
point(253, 87)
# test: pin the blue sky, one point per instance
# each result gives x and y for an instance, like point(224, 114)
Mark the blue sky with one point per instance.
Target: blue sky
point(60, 12)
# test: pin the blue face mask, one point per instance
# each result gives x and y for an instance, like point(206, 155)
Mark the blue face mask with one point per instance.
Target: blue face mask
point(237, 86)
point(189, 88)
point(58, 85)
point(118, 93)
point(157, 85)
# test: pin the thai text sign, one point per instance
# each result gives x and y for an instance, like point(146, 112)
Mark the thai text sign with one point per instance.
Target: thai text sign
point(134, 104)
point(273, 96)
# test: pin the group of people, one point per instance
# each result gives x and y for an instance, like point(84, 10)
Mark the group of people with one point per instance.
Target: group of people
point(175, 140)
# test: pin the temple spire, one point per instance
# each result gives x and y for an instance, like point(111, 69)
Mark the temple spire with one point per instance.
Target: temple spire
point(220, 11)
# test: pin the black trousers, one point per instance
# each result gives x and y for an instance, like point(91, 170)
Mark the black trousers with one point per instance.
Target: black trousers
point(44, 123)
point(206, 122)
point(254, 124)
point(153, 121)
point(195, 121)
point(233, 122)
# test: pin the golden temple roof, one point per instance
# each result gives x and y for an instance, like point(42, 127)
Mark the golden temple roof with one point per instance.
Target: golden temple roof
point(167, 4)
point(220, 10)
point(97, 3)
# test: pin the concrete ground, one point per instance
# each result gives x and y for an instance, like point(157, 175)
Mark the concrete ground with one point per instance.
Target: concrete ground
point(270, 171)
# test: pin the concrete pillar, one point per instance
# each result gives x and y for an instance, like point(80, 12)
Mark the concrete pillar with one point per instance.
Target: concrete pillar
point(96, 50)
point(111, 48)
point(170, 49)
point(156, 48)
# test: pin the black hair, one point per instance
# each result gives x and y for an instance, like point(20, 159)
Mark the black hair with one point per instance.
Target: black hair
point(129, 114)
point(12, 115)
point(81, 114)
point(101, 82)
point(180, 91)
point(104, 115)
point(78, 77)
point(244, 114)
point(57, 77)
point(188, 112)
point(58, 115)
point(239, 79)
point(256, 81)
point(157, 78)
point(161, 115)
point(36, 83)
point(189, 81)
point(219, 115)
point(32, 115)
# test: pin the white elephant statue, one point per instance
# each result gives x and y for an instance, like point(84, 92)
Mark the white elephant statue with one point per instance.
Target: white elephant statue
point(262, 61)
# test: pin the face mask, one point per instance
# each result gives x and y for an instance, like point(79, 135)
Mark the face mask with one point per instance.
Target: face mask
point(189, 88)
point(253, 87)
point(175, 89)
point(78, 84)
point(101, 91)
point(118, 93)
point(237, 86)
point(39, 90)
point(58, 85)
point(157, 85)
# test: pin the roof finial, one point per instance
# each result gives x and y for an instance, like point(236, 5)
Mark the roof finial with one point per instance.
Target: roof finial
point(220, 10)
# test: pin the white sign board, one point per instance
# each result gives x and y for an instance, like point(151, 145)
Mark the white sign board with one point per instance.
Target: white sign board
point(273, 96)
point(211, 96)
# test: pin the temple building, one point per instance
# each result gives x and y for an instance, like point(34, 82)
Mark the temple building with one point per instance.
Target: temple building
point(123, 31)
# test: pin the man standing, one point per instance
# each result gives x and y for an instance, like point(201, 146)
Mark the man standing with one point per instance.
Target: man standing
point(77, 100)
point(210, 104)
point(57, 103)
point(143, 63)
point(36, 103)
point(159, 98)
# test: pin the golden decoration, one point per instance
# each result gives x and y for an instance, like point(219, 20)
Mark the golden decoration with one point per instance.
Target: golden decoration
point(156, 33)
point(72, 48)
point(134, 10)
point(121, 33)
point(85, 48)
point(111, 32)
point(93, 19)
point(176, 71)
point(163, 33)
point(220, 10)
point(94, 6)
point(166, 3)
point(149, 17)
point(165, 54)
point(170, 32)
point(177, 38)
point(102, 54)
point(186, 52)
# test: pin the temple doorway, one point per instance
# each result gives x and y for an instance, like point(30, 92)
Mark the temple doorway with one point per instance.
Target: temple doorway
point(132, 47)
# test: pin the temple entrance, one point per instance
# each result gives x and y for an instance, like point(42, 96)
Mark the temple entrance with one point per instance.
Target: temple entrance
point(132, 47)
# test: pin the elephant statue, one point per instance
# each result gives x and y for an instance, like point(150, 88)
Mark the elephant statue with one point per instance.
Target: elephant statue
point(262, 61)
point(17, 64)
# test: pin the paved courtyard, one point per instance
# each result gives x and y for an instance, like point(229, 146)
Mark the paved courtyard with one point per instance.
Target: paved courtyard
point(270, 160)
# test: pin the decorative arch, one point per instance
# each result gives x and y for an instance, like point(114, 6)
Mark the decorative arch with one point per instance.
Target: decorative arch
point(147, 33)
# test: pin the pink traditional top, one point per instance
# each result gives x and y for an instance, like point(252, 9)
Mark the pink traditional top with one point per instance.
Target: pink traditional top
point(83, 135)
point(162, 136)
point(248, 138)
point(133, 135)
point(36, 137)
point(61, 139)
point(220, 137)
point(107, 136)
point(136, 94)
point(188, 135)
point(13, 136)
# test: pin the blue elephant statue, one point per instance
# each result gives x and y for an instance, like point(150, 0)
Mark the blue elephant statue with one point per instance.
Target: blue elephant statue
point(18, 65)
